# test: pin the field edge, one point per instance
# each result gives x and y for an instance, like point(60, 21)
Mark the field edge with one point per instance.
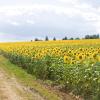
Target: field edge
point(26, 79)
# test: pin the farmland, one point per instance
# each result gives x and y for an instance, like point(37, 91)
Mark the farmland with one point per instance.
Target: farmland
point(73, 64)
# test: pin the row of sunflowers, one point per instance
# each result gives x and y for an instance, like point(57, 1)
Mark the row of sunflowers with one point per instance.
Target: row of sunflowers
point(73, 64)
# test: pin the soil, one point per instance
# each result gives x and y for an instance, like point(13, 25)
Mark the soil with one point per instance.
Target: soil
point(10, 89)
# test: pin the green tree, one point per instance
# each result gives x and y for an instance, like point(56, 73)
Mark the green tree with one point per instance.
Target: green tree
point(54, 39)
point(46, 38)
point(65, 38)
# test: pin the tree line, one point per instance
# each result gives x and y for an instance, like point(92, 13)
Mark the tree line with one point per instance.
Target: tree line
point(94, 36)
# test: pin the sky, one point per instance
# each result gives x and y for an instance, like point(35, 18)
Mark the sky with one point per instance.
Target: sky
point(23, 20)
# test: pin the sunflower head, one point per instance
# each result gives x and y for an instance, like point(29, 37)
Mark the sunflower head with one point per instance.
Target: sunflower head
point(73, 61)
point(66, 59)
point(80, 57)
point(98, 58)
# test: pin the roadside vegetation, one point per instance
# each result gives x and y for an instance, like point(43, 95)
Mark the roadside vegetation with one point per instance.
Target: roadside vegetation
point(26, 80)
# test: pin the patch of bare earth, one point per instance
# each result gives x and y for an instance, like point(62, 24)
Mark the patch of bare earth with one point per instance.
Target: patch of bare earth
point(60, 91)
point(10, 89)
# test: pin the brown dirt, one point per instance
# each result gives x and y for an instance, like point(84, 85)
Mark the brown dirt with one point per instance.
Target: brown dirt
point(10, 89)
point(65, 95)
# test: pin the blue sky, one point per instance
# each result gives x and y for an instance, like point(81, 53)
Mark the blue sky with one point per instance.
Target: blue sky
point(27, 19)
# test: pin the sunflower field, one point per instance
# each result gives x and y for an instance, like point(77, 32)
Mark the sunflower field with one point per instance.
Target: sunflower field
point(73, 64)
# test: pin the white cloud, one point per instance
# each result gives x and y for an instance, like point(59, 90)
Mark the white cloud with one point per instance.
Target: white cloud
point(30, 22)
point(14, 23)
point(75, 8)
point(59, 15)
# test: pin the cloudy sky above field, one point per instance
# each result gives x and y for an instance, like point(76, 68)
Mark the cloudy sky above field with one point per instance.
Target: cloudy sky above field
point(27, 19)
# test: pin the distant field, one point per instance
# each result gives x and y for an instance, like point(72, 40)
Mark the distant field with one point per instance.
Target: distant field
point(74, 64)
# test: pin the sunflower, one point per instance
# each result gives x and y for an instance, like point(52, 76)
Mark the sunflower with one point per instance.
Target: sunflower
point(80, 57)
point(66, 59)
point(98, 58)
point(73, 61)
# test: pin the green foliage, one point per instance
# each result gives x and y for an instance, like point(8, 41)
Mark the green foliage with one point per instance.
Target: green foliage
point(26, 79)
point(46, 38)
point(92, 36)
point(81, 79)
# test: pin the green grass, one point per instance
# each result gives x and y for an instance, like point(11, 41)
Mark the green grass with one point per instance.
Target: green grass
point(26, 79)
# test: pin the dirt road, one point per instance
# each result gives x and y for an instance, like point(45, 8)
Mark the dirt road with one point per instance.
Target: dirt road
point(10, 89)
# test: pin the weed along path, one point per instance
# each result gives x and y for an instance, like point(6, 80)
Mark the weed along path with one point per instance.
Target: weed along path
point(17, 84)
